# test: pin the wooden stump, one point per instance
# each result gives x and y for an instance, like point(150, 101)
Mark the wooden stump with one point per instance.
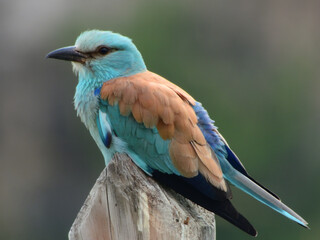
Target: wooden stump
point(126, 204)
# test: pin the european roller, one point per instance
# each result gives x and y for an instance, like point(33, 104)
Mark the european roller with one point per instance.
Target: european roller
point(163, 129)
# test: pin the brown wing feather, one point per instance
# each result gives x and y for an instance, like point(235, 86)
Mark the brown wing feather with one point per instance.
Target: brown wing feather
point(156, 102)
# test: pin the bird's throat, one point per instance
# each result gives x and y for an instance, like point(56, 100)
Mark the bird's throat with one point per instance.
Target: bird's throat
point(86, 103)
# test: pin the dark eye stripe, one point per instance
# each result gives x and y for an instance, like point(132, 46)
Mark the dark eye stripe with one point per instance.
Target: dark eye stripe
point(104, 50)
point(101, 51)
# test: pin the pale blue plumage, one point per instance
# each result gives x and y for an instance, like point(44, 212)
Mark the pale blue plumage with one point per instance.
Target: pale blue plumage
point(114, 132)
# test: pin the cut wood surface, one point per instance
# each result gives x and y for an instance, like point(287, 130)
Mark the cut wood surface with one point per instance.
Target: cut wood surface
point(125, 203)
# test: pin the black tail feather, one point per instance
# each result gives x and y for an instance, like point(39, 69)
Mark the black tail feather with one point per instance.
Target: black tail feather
point(227, 211)
point(206, 196)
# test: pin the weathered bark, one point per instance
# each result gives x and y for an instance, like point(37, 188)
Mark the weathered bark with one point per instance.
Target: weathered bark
point(126, 204)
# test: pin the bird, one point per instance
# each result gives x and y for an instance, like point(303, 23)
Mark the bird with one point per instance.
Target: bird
point(164, 130)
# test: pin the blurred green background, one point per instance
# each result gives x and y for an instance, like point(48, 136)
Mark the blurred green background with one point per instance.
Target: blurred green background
point(253, 64)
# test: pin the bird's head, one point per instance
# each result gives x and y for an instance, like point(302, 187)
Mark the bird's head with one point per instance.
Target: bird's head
point(102, 55)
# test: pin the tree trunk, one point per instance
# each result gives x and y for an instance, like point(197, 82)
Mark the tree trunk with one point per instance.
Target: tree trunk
point(126, 204)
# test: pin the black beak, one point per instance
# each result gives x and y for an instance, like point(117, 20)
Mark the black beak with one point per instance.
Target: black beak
point(68, 54)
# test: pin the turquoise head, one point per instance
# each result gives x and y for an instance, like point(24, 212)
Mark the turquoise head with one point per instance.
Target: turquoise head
point(101, 56)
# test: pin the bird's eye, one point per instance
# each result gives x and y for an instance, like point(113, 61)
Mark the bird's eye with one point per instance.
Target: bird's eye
point(104, 50)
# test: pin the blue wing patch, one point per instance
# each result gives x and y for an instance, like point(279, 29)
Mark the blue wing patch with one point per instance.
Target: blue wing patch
point(206, 125)
point(221, 149)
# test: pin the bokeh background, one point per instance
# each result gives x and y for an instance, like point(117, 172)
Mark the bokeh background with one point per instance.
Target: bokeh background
point(253, 64)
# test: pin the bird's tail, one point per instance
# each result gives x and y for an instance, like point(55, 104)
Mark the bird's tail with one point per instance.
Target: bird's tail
point(262, 194)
